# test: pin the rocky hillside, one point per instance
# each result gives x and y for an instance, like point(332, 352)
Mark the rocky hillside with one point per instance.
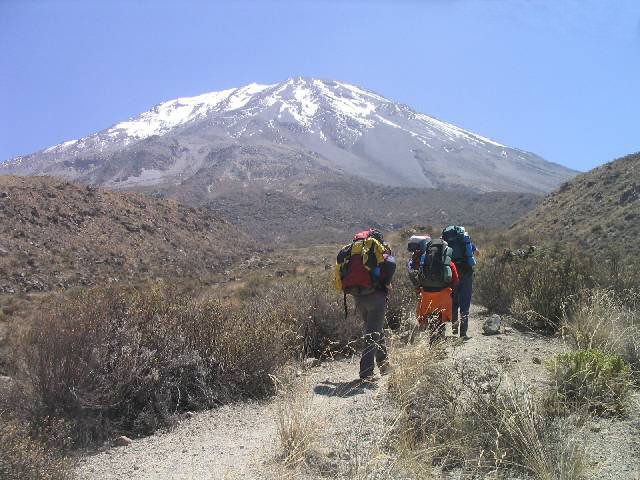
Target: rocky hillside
point(262, 133)
point(331, 210)
point(596, 210)
point(56, 234)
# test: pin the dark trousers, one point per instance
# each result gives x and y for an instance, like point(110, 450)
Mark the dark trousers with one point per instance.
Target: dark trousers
point(372, 309)
point(462, 302)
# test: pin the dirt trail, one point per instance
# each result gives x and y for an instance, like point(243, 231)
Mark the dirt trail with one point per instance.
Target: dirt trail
point(241, 441)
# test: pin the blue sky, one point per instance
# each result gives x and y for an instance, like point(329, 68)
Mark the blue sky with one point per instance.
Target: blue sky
point(558, 78)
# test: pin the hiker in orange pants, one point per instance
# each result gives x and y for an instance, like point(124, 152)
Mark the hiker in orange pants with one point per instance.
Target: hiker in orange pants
point(435, 305)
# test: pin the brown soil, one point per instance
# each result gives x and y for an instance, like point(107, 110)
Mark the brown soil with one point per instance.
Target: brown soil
point(55, 234)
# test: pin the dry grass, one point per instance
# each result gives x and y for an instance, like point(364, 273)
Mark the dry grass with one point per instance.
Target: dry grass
point(605, 320)
point(23, 458)
point(297, 425)
point(519, 436)
point(457, 417)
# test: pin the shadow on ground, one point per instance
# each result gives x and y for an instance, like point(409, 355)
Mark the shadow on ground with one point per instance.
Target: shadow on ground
point(344, 389)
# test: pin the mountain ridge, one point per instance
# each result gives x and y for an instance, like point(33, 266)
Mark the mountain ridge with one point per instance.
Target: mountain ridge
point(601, 205)
point(346, 128)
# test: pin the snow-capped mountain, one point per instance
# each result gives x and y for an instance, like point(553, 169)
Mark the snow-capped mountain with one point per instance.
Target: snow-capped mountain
point(298, 128)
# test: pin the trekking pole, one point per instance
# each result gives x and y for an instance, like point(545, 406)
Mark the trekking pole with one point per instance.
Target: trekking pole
point(346, 310)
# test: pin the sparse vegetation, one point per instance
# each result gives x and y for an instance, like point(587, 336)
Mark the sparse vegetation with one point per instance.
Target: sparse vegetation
point(55, 235)
point(533, 284)
point(456, 418)
point(596, 210)
point(589, 380)
point(124, 359)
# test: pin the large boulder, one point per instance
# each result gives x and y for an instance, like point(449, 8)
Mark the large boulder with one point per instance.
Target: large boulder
point(492, 325)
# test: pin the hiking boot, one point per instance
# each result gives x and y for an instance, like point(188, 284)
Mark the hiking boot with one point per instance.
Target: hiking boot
point(386, 368)
point(465, 337)
point(368, 380)
point(454, 328)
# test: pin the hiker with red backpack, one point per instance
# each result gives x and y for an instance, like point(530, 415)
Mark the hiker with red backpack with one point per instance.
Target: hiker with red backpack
point(365, 269)
point(434, 275)
point(463, 255)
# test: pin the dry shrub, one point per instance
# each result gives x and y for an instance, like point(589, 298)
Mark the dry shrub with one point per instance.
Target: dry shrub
point(126, 359)
point(317, 313)
point(297, 425)
point(514, 434)
point(533, 284)
point(325, 329)
point(456, 417)
point(589, 380)
point(22, 457)
point(491, 288)
point(605, 320)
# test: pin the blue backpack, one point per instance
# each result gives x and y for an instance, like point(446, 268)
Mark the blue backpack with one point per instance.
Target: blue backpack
point(461, 244)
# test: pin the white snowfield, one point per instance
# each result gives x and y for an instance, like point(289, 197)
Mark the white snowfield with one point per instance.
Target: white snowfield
point(303, 99)
point(347, 127)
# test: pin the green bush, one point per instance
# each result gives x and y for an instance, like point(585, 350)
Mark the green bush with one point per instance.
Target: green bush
point(606, 320)
point(589, 380)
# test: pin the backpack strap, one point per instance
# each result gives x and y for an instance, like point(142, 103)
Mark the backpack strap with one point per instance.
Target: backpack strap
point(372, 253)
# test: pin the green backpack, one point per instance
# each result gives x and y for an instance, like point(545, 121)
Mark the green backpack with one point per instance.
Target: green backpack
point(435, 266)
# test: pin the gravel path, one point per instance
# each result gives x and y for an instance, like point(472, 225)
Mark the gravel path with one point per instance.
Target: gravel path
point(230, 442)
point(241, 441)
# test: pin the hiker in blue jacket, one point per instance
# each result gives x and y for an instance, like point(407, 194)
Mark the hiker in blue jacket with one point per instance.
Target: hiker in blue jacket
point(464, 257)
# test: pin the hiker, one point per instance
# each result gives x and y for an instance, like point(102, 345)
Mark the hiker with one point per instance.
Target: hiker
point(365, 269)
point(463, 256)
point(434, 275)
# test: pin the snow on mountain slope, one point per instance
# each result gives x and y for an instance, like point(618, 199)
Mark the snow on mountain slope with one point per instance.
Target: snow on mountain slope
point(346, 128)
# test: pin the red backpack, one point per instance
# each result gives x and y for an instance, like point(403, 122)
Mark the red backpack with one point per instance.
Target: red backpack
point(358, 264)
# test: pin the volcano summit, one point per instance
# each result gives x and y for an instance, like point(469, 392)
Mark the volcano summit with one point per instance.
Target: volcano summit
point(302, 126)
